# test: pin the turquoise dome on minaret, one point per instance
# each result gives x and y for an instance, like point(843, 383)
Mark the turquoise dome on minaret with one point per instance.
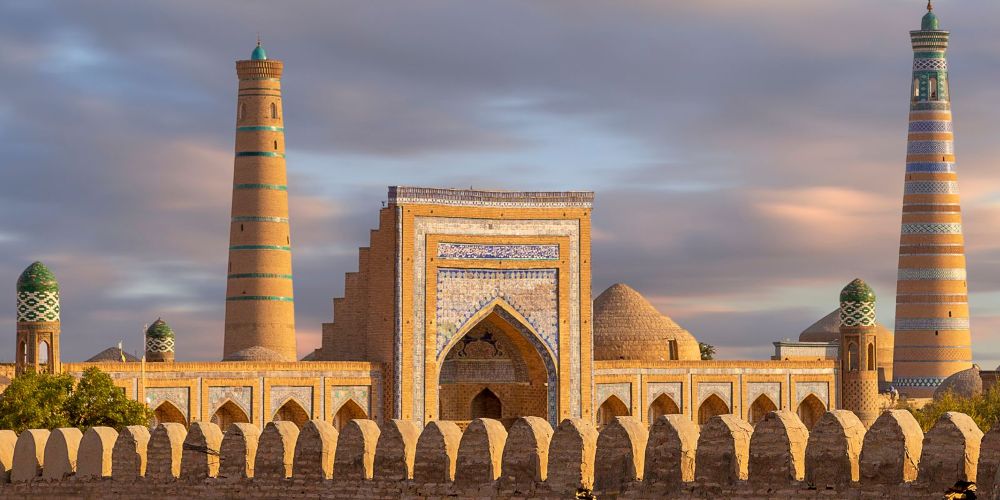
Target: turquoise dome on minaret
point(857, 305)
point(857, 291)
point(159, 330)
point(930, 21)
point(37, 278)
point(258, 53)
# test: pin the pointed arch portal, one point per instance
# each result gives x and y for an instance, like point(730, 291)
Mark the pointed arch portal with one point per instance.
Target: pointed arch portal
point(662, 405)
point(609, 409)
point(347, 412)
point(166, 412)
point(810, 410)
point(760, 407)
point(229, 413)
point(497, 365)
point(293, 412)
point(712, 406)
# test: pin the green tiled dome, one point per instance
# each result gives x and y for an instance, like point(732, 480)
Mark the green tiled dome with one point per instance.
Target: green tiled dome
point(258, 53)
point(857, 291)
point(930, 21)
point(159, 330)
point(37, 278)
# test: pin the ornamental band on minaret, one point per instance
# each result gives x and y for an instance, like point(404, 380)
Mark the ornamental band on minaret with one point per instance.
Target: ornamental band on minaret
point(260, 312)
point(932, 312)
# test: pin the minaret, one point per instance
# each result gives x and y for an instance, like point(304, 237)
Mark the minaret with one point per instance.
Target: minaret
point(38, 324)
point(932, 310)
point(260, 312)
point(159, 342)
point(859, 351)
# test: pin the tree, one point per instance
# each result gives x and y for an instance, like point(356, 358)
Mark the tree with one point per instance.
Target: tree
point(35, 401)
point(984, 409)
point(707, 351)
point(46, 401)
point(98, 401)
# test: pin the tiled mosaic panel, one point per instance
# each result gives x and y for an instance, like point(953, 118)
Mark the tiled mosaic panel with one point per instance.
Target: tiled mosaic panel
point(857, 314)
point(931, 187)
point(770, 389)
point(722, 389)
point(932, 324)
point(819, 389)
point(281, 394)
point(461, 293)
point(37, 306)
point(933, 228)
point(930, 126)
point(357, 393)
point(159, 345)
point(671, 389)
point(177, 396)
point(930, 147)
point(921, 382)
point(240, 396)
point(921, 64)
point(621, 390)
point(497, 252)
point(932, 273)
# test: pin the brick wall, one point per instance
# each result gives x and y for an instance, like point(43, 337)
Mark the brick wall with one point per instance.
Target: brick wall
point(724, 458)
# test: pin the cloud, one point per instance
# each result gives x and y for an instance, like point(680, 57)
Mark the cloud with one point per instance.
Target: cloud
point(747, 157)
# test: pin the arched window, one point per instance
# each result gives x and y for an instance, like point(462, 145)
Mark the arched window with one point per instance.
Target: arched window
point(662, 405)
point(712, 406)
point(167, 412)
point(852, 357)
point(275, 145)
point(274, 110)
point(228, 414)
point(916, 89)
point(810, 410)
point(932, 88)
point(760, 407)
point(672, 345)
point(486, 405)
point(871, 356)
point(293, 412)
point(22, 351)
point(609, 409)
point(347, 412)
point(43, 353)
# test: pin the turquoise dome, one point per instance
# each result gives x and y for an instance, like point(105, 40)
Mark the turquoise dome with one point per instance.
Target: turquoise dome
point(159, 330)
point(37, 278)
point(258, 53)
point(857, 291)
point(929, 22)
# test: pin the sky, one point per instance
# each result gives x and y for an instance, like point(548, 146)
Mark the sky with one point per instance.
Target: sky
point(747, 157)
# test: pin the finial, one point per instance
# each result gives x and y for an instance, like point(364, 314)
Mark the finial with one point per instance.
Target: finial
point(258, 33)
point(930, 6)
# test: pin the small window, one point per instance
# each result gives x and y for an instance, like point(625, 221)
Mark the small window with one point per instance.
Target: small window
point(242, 112)
point(241, 228)
point(275, 145)
point(871, 357)
point(852, 357)
point(932, 88)
point(673, 349)
point(916, 88)
point(274, 110)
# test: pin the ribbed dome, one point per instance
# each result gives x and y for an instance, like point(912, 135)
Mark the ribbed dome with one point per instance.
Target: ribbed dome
point(966, 383)
point(627, 326)
point(37, 278)
point(159, 330)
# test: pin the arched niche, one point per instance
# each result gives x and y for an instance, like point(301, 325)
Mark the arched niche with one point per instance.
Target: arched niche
point(229, 413)
point(712, 405)
point(609, 409)
point(347, 412)
point(662, 405)
point(292, 411)
point(759, 408)
point(810, 410)
point(166, 412)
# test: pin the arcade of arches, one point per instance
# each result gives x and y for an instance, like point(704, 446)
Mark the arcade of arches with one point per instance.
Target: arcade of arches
point(493, 371)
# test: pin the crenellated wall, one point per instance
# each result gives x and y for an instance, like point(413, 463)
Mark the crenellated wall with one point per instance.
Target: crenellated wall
point(673, 459)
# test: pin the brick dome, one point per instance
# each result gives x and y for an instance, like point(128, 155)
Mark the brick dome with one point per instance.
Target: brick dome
point(627, 326)
point(966, 383)
point(255, 353)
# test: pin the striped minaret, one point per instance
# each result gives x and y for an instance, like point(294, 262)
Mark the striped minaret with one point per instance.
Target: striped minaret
point(932, 310)
point(260, 312)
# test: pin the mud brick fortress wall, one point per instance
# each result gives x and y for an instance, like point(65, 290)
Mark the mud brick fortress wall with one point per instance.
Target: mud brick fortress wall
point(674, 458)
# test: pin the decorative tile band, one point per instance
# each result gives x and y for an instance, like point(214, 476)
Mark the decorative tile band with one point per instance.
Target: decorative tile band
point(261, 247)
point(268, 154)
point(403, 195)
point(37, 306)
point(917, 381)
point(932, 324)
point(159, 345)
point(930, 147)
point(257, 218)
point(920, 64)
point(854, 314)
point(930, 167)
point(260, 128)
point(933, 228)
point(260, 275)
point(930, 106)
point(276, 187)
point(260, 298)
point(954, 274)
point(930, 126)
point(931, 187)
point(497, 252)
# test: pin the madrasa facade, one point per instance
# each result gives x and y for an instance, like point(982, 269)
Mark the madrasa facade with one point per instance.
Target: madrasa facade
point(478, 304)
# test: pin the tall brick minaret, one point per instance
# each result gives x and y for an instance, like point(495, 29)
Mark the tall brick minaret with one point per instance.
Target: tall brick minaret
point(932, 310)
point(260, 312)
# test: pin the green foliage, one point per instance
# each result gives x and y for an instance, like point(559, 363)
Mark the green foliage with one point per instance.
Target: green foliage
point(97, 401)
point(35, 401)
point(45, 401)
point(984, 409)
point(707, 351)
